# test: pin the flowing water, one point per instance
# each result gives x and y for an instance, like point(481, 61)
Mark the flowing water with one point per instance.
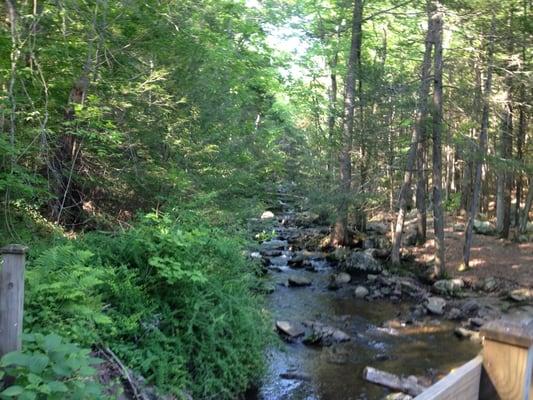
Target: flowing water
point(335, 372)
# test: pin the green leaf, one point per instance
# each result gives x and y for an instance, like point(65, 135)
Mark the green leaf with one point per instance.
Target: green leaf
point(34, 379)
point(28, 395)
point(51, 342)
point(56, 386)
point(13, 391)
point(37, 363)
point(14, 358)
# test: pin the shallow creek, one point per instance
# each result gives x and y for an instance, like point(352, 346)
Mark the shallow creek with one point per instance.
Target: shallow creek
point(335, 372)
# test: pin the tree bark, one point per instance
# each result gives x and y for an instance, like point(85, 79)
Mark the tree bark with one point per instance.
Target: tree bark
point(332, 118)
point(416, 138)
point(527, 207)
point(340, 233)
point(12, 17)
point(438, 214)
point(479, 160)
point(505, 176)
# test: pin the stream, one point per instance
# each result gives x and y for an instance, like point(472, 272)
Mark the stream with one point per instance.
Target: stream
point(378, 337)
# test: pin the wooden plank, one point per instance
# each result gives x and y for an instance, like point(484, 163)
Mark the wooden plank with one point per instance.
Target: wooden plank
point(514, 332)
point(509, 369)
point(462, 383)
point(11, 297)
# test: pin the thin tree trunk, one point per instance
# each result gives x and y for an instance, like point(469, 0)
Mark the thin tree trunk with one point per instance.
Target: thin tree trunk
point(438, 214)
point(340, 232)
point(332, 118)
point(416, 137)
point(12, 16)
point(479, 160)
point(527, 207)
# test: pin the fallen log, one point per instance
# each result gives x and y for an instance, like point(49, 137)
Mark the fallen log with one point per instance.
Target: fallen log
point(409, 385)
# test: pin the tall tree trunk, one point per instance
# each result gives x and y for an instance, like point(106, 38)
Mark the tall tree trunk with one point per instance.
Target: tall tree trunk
point(340, 232)
point(438, 213)
point(520, 155)
point(505, 179)
point(479, 160)
point(332, 117)
point(417, 136)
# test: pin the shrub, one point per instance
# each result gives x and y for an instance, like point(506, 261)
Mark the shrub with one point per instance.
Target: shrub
point(172, 297)
point(49, 368)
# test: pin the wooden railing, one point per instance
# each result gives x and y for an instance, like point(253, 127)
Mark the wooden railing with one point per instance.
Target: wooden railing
point(11, 297)
point(503, 371)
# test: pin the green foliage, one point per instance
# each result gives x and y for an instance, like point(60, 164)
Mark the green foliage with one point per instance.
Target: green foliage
point(64, 293)
point(173, 297)
point(453, 203)
point(50, 368)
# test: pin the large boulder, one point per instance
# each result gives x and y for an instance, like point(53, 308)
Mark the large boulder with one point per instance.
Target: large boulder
point(448, 286)
point(362, 262)
point(324, 335)
point(290, 329)
point(361, 292)
point(436, 305)
point(378, 227)
point(484, 227)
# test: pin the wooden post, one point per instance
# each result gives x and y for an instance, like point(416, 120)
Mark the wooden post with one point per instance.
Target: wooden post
point(11, 297)
point(508, 358)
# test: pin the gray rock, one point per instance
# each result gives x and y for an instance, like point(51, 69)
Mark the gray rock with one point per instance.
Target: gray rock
point(521, 295)
point(361, 292)
point(324, 335)
point(490, 284)
point(470, 307)
point(436, 305)
point(379, 227)
point(484, 227)
point(342, 278)
point(279, 261)
point(455, 314)
point(359, 261)
point(297, 280)
point(274, 244)
point(448, 286)
point(290, 329)
point(371, 277)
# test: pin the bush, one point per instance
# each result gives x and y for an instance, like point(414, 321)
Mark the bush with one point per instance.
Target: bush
point(49, 368)
point(172, 297)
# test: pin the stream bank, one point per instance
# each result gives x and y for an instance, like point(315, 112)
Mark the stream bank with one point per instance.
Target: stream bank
point(337, 312)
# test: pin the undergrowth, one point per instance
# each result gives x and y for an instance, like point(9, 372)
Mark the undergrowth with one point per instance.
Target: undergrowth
point(173, 297)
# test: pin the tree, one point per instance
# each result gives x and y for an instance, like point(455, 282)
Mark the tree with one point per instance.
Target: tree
point(438, 213)
point(340, 233)
point(417, 138)
point(483, 135)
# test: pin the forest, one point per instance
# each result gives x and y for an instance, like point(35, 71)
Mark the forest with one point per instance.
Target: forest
point(229, 199)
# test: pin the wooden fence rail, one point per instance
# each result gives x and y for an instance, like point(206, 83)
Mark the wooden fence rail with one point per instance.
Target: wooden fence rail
point(11, 297)
point(503, 371)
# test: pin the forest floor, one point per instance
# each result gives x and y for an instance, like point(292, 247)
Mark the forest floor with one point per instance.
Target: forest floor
point(491, 256)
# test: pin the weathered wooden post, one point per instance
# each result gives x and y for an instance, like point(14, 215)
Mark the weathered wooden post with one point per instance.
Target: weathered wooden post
point(508, 359)
point(11, 297)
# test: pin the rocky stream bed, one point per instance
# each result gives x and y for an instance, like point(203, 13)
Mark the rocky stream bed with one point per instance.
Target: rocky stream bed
point(338, 311)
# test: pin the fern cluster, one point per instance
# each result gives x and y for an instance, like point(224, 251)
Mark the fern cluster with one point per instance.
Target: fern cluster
point(172, 297)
